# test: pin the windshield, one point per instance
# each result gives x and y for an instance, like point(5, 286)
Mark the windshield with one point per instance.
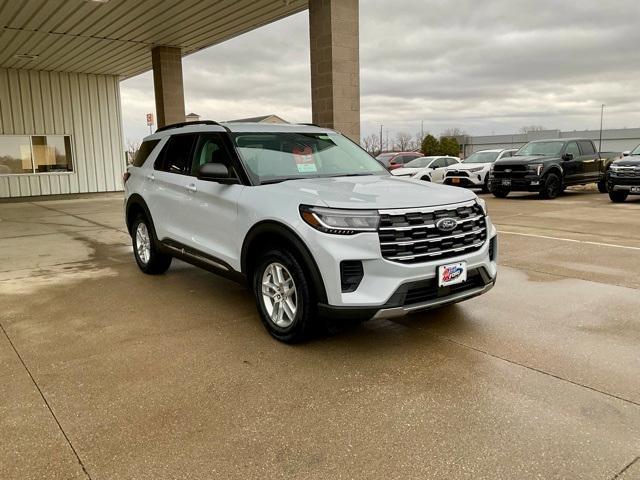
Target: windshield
point(636, 151)
point(549, 149)
point(482, 157)
point(418, 163)
point(274, 157)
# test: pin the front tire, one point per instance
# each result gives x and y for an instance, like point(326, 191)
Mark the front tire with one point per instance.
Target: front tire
point(145, 248)
point(551, 186)
point(284, 297)
point(425, 178)
point(618, 196)
point(602, 186)
point(500, 192)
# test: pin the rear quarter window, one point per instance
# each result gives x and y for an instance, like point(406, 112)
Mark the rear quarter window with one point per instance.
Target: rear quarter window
point(587, 148)
point(144, 151)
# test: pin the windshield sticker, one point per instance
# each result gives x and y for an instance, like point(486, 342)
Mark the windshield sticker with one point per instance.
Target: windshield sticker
point(303, 155)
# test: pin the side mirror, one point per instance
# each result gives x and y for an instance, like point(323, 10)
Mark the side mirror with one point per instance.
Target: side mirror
point(215, 172)
point(626, 153)
point(567, 156)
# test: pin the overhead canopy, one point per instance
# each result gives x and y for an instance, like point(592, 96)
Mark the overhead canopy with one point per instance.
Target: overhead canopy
point(116, 36)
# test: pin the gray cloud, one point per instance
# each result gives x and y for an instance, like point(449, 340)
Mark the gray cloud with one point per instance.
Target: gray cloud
point(484, 66)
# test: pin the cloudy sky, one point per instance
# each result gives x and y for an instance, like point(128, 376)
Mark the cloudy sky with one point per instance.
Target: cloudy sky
point(486, 67)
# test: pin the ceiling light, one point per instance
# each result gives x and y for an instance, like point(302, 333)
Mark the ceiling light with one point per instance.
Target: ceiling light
point(26, 56)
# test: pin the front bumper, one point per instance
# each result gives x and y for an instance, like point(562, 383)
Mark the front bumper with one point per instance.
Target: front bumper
point(474, 180)
point(527, 183)
point(623, 183)
point(384, 288)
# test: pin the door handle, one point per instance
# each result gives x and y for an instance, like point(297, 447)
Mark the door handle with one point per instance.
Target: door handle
point(151, 177)
point(192, 187)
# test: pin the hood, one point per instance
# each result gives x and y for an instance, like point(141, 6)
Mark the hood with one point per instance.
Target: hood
point(373, 192)
point(468, 166)
point(524, 159)
point(405, 171)
point(630, 161)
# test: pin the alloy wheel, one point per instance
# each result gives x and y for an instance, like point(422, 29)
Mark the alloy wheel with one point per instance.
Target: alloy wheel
point(279, 295)
point(143, 243)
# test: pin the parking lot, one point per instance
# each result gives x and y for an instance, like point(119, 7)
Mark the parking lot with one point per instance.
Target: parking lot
point(108, 373)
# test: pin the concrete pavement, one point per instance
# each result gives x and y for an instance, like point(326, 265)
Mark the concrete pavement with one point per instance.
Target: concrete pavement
point(108, 373)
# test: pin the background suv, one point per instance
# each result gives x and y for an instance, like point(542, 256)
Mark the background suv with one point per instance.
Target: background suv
point(473, 171)
point(393, 160)
point(312, 223)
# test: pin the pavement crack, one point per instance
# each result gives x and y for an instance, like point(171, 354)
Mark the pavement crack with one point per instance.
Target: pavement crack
point(98, 224)
point(44, 399)
point(627, 467)
point(534, 369)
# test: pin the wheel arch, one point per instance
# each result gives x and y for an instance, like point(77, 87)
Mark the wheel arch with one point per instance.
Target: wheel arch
point(135, 206)
point(555, 168)
point(270, 233)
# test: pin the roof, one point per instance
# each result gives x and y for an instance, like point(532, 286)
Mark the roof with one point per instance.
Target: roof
point(115, 37)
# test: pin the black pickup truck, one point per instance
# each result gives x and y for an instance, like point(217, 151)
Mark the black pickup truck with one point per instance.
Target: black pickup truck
point(548, 167)
point(623, 177)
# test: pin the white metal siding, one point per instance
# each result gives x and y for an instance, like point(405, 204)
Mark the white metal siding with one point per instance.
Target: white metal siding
point(87, 107)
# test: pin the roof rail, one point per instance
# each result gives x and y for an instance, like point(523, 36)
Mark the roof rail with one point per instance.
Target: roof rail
point(184, 124)
point(310, 125)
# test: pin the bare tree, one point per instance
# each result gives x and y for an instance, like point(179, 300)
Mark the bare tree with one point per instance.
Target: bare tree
point(133, 145)
point(403, 141)
point(371, 143)
point(532, 128)
point(453, 132)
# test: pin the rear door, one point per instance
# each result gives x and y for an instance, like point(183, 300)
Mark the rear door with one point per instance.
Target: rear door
point(438, 169)
point(573, 169)
point(169, 193)
point(590, 160)
point(214, 206)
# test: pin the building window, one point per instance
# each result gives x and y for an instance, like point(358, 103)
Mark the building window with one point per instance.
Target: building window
point(35, 154)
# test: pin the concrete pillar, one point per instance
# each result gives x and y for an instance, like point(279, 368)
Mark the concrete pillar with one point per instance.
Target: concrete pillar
point(167, 84)
point(335, 65)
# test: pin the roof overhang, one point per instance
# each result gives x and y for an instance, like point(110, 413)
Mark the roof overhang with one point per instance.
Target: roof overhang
point(115, 37)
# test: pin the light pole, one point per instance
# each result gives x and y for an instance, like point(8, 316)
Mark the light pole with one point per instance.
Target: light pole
point(381, 137)
point(601, 117)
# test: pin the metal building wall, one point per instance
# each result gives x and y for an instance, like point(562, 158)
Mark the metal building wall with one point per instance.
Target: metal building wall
point(87, 107)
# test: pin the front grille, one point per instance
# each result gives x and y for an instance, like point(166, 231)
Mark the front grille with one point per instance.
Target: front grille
point(509, 171)
point(411, 236)
point(628, 172)
point(457, 173)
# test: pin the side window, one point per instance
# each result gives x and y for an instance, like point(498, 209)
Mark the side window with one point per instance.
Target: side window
point(587, 148)
point(176, 155)
point(439, 163)
point(144, 151)
point(210, 149)
point(572, 147)
point(408, 158)
point(506, 154)
point(451, 161)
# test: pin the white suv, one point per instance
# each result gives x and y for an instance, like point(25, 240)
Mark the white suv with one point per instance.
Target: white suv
point(473, 171)
point(312, 223)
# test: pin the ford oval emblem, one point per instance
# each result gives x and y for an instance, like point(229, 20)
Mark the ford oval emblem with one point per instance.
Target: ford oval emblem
point(446, 224)
point(508, 170)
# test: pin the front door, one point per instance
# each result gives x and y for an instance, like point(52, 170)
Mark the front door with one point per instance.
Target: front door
point(214, 206)
point(573, 169)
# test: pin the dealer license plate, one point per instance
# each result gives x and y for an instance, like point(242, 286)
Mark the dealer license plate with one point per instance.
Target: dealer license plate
point(506, 182)
point(452, 274)
point(635, 189)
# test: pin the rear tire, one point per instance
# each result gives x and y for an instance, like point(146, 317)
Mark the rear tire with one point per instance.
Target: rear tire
point(602, 186)
point(284, 297)
point(145, 248)
point(485, 186)
point(618, 196)
point(551, 186)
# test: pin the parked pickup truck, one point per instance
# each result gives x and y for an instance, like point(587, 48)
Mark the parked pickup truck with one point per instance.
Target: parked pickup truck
point(548, 167)
point(623, 176)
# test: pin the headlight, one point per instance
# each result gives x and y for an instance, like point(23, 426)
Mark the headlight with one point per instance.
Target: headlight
point(340, 222)
point(535, 168)
point(615, 167)
point(482, 202)
point(475, 169)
